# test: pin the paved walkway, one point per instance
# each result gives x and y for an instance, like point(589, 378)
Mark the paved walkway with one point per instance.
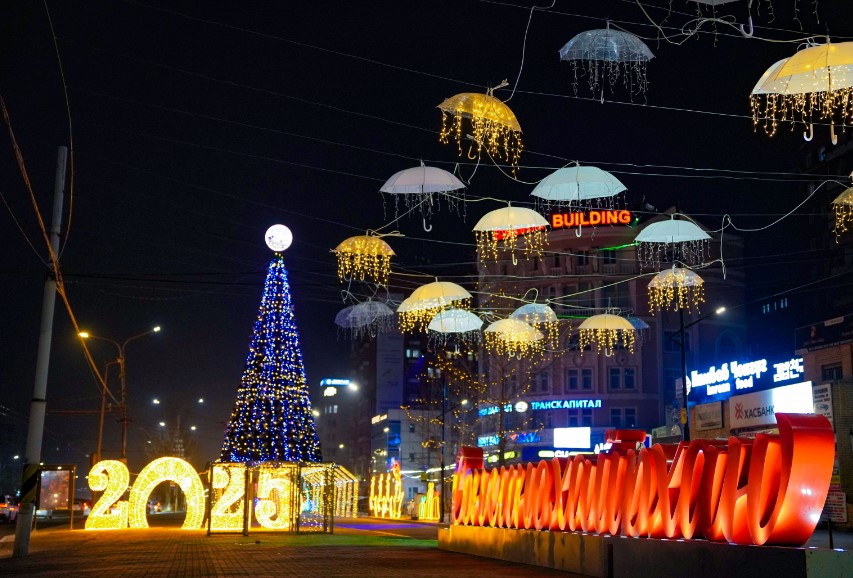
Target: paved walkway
point(174, 552)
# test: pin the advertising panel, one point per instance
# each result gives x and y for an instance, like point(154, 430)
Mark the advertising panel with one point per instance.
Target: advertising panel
point(761, 407)
point(822, 396)
point(708, 416)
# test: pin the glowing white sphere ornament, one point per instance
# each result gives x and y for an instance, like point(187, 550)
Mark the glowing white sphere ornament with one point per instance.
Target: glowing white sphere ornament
point(278, 237)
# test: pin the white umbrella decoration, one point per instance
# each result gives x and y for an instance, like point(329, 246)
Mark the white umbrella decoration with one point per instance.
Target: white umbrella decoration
point(364, 256)
point(365, 319)
point(578, 186)
point(675, 239)
point(815, 83)
point(513, 338)
point(490, 123)
point(843, 206)
point(678, 288)
point(606, 331)
point(501, 228)
point(605, 55)
point(421, 188)
point(455, 324)
point(417, 310)
point(540, 316)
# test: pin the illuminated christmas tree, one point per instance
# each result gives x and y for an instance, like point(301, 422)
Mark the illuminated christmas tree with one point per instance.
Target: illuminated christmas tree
point(272, 417)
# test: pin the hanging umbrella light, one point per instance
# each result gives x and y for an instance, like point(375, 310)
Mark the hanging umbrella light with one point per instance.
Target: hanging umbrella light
point(455, 324)
point(364, 256)
point(676, 239)
point(814, 84)
point(491, 123)
point(365, 319)
point(605, 55)
point(418, 309)
point(578, 186)
point(513, 338)
point(542, 317)
point(606, 331)
point(676, 288)
point(843, 207)
point(501, 228)
point(421, 188)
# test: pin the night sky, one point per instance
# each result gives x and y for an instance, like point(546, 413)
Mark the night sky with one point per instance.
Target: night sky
point(197, 125)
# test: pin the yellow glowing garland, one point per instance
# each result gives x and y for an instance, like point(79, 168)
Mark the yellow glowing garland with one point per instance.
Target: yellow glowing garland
point(229, 487)
point(364, 256)
point(606, 339)
point(498, 139)
point(167, 470)
point(490, 243)
point(386, 494)
point(419, 318)
point(274, 496)
point(509, 346)
point(429, 506)
point(676, 290)
point(843, 206)
point(775, 108)
point(108, 513)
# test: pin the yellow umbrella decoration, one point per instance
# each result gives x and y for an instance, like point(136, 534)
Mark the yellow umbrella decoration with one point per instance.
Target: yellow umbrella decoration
point(417, 310)
point(606, 331)
point(490, 123)
point(815, 83)
point(364, 256)
point(843, 206)
point(501, 229)
point(678, 288)
point(513, 337)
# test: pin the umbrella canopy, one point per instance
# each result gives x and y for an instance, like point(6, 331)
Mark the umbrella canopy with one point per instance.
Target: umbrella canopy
point(675, 239)
point(608, 54)
point(816, 82)
point(540, 315)
point(490, 122)
point(364, 256)
point(606, 331)
point(455, 321)
point(501, 228)
point(513, 337)
point(676, 287)
point(367, 318)
point(426, 301)
point(576, 184)
point(421, 180)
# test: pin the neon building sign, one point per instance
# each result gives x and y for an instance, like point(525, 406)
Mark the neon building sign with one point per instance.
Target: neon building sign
point(733, 377)
point(590, 218)
point(766, 491)
point(523, 406)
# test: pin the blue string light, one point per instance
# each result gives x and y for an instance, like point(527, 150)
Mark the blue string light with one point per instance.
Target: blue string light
point(272, 419)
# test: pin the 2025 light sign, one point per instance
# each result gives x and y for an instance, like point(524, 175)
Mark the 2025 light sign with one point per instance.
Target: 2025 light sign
point(689, 490)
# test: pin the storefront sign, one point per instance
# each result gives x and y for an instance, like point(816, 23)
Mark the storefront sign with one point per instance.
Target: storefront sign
point(708, 416)
point(523, 406)
point(822, 397)
point(521, 437)
point(761, 407)
point(590, 218)
point(572, 437)
point(743, 499)
point(735, 377)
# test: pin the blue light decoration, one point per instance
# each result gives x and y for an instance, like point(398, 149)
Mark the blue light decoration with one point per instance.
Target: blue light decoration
point(272, 419)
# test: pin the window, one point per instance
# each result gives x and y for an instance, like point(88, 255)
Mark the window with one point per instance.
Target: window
point(831, 372)
point(542, 382)
point(586, 295)
point(557, 261)
point(580, 417)
point(622, 378)
point(608, 257)
point(616, 417)
point(582, 258)
point(616, 295)
point(578, 379)
point(630, 417)
point(535, 263)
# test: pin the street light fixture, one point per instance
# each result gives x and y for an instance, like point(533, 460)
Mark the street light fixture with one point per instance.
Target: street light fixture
point(123, 381)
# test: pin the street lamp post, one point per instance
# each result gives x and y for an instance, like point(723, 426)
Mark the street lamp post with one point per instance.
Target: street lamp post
point(685, 411)
point(120, 360)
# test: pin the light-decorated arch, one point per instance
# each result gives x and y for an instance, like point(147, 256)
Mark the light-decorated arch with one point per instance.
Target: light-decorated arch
point(167, 470)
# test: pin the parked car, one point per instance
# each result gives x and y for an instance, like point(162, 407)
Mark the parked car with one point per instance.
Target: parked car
point(8, 509)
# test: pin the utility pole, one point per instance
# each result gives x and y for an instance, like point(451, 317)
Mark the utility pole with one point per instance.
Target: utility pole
point(38, 404)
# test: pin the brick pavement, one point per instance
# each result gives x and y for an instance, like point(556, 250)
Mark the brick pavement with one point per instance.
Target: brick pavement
point(174, 552)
